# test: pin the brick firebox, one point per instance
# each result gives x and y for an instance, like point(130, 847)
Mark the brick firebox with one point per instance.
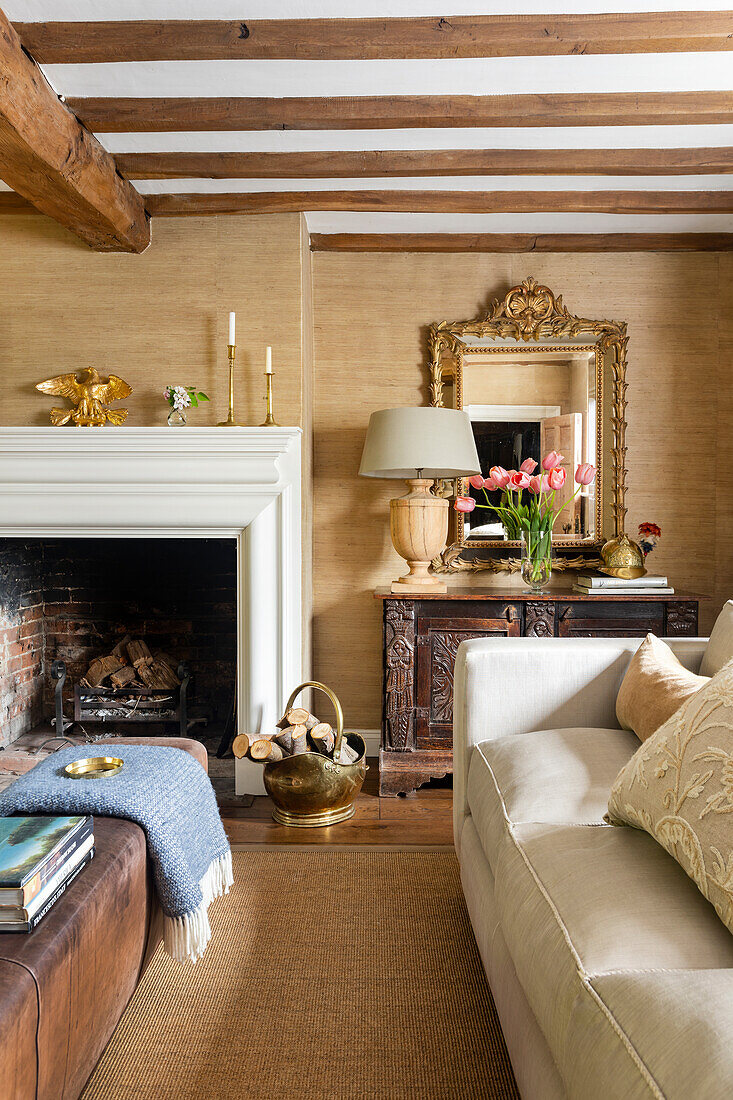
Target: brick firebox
point(72, 599)
point(21, 639)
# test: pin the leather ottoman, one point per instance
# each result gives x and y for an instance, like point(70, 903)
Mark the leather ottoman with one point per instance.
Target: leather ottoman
point(64, 987)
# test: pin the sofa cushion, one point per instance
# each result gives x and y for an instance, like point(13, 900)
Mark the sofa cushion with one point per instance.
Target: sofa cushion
point(719, 649)
point(578, 900)
point(679, 1023)
point(549, 776)
point(656, 685)
point(678, 786)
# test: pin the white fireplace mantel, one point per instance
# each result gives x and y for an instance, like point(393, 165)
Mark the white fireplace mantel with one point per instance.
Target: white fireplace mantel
point(177, 483)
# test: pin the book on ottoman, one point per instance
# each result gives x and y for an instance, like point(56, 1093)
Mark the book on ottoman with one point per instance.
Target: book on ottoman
point(39, 857)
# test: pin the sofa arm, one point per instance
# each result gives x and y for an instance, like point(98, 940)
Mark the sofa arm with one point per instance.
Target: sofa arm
point(509, 686)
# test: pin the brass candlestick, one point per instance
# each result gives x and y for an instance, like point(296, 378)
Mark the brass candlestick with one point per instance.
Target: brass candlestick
point(230, 421)
point(269, 421)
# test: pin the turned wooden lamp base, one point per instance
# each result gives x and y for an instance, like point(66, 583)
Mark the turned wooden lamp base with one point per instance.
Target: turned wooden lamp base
point(419, 527)
point(408, 588)
point(411, 584)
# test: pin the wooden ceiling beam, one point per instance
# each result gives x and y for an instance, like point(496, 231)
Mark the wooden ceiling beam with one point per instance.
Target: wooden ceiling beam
point(483, 242)
point(431, 202)
point(368, 39)
point(11, 203)
point(521, 242)
point(165, 114)
point(51, 160)
point(444, 202)
point(426, 162)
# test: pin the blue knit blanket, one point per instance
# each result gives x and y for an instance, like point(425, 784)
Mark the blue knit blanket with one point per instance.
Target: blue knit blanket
point(168, 793)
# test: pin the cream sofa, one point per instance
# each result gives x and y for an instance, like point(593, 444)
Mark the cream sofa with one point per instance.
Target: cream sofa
point(612, 975)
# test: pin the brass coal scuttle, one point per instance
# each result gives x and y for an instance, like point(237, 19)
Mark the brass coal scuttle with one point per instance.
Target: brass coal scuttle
point(310, 790)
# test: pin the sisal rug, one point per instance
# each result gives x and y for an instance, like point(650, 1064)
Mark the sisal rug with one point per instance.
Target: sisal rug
point(330, 975)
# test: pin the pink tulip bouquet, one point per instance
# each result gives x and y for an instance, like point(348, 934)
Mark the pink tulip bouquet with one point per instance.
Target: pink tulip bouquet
point(529, 517)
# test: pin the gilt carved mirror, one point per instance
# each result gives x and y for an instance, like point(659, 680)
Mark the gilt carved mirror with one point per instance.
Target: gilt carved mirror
point(534, 377)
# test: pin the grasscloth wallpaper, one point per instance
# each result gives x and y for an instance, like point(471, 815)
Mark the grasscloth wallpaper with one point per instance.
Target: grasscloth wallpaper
point(155, 318)
point(355, 342)
point(371, 313)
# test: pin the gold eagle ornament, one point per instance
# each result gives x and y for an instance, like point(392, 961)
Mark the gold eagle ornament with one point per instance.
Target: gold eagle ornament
point(89, 396)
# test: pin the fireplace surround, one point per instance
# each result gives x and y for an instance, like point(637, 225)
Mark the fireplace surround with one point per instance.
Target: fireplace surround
point(241, 483)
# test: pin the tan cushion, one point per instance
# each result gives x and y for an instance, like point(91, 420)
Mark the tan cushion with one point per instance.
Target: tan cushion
point(548, 776)
point(719, 649)
point(679, 1024)
point(578, 901)
point(656, 684)
point(678, 787)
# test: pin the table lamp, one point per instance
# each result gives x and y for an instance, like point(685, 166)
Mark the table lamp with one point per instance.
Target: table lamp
point(419, 445)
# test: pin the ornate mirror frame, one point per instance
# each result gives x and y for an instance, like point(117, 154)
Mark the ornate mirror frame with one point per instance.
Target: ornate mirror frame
point(531, 314)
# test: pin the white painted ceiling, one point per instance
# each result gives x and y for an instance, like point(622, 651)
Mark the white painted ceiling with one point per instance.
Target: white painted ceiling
point(467, 76)
point(521, 137)
point(439, 183)
point(671, 72)
point(384, 222)
point(38, 11)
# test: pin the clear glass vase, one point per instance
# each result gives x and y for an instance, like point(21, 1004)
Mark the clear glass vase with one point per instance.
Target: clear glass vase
point(177, 418)
point(536, 558)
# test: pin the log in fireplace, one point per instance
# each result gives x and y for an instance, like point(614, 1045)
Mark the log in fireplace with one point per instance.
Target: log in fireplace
point(66, 603)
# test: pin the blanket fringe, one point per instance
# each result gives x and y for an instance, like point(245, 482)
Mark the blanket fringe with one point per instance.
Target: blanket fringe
point(186, 937)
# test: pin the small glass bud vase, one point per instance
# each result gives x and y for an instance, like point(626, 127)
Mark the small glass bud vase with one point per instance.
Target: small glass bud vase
point(536, 558)
point(177, 418)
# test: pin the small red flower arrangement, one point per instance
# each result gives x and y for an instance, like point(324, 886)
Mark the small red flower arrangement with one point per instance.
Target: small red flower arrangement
point(649, 536)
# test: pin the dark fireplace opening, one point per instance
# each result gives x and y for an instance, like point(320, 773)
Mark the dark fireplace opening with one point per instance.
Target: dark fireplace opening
point(74, 600)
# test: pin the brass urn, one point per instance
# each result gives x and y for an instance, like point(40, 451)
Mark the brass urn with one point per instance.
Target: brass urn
point(622, 557)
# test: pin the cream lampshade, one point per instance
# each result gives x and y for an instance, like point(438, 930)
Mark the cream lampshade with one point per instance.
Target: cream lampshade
point(419, 445)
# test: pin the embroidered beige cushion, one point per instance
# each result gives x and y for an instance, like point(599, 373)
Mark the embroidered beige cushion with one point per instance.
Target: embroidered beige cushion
point(678, 787)
point(719, 649)
point(656, 684)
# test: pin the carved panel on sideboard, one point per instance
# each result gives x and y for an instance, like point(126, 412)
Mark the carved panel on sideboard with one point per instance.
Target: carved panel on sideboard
point(681, 618)
point(399, 670)
point(421, 639)
point(438, 639)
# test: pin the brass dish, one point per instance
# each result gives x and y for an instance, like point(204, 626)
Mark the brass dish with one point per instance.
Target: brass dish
point(94, 767)
point(311, 790)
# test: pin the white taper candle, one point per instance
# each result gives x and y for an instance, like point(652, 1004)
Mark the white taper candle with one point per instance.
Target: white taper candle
point(268, 361)
point(232, 337)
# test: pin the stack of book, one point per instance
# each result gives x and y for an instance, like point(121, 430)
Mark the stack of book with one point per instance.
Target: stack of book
point(617, 586)
point(39, 858)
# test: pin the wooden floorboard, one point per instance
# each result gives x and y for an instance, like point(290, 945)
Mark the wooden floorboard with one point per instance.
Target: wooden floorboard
point(424, 819)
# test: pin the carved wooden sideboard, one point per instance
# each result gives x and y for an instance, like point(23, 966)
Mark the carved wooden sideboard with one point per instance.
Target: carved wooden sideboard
point(422, 635)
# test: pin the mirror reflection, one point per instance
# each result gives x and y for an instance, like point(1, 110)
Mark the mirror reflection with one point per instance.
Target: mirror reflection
point(523, 404)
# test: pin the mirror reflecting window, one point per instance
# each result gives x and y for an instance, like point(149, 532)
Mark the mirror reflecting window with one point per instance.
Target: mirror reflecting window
point(562, 416)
